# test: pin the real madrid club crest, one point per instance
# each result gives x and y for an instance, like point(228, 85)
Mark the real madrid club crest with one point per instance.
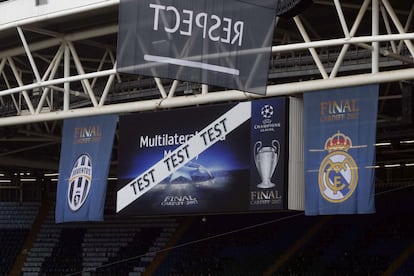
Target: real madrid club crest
point(338, 172)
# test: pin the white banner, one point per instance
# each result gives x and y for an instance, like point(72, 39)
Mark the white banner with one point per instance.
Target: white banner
point(204, 139)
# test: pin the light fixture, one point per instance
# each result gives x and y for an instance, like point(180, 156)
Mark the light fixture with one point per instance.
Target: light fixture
point(392, 165)
point(51, 174)
point(28, 179)
point(383, 144)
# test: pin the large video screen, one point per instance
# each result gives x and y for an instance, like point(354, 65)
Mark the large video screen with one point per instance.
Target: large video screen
point(223, 158)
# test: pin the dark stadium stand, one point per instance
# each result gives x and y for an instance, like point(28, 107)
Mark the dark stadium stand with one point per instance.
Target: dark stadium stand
point(15, 223)
point(98, 248)
point(11, 241)
point(285, 243)
point(358, 244)
point(234, 244)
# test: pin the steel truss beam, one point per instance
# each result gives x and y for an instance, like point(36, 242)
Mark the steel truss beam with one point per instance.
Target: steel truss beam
point(55, 78)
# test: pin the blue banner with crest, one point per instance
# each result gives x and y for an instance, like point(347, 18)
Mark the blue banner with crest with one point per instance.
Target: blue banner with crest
point(83, 169)
point(340, 135)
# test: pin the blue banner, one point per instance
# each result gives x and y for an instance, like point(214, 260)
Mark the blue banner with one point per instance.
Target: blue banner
point(83, 169)
point(267, 168)
point(340, 135)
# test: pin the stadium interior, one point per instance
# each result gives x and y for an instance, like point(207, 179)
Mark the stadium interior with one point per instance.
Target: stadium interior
point(62, 64)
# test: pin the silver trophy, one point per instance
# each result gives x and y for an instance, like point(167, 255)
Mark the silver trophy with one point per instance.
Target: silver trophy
point(266, 159)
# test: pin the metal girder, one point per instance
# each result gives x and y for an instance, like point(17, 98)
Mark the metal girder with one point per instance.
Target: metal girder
point(64, 75)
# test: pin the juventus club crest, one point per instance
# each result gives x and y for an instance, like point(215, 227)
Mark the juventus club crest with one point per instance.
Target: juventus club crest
point(338, 172)
point(79, 182)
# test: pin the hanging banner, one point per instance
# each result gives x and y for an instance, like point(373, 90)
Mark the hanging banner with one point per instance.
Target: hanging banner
point(267, 154)
point(215, 159)
point(224, 43)
point(83, 168)
point(340, 136)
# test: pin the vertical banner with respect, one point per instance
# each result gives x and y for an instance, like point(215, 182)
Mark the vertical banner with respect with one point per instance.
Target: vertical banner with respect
point(83, 169)
point(215, 159)
point(340, 136)
point(225, 43)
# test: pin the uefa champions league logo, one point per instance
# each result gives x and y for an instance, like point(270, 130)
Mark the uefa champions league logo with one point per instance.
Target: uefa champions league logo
point(268, 122)
point(79, 182)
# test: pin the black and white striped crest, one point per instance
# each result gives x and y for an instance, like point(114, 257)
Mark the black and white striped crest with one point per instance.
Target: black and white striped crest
point(79, 182)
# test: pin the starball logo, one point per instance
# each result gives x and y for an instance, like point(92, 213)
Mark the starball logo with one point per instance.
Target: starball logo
point(87, 134)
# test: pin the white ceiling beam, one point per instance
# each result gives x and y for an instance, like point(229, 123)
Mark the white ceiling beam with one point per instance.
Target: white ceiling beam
point(52, 42)
point(231, 95)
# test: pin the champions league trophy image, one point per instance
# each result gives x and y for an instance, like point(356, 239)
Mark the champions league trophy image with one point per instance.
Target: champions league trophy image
point(266, 159)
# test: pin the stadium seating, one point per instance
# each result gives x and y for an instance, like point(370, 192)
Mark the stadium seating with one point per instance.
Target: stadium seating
point(115, 246)
point(15, 223)
point(233, 244)
point(285, 243)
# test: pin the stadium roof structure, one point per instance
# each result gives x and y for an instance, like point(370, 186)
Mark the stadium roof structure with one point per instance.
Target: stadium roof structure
point(58, 61)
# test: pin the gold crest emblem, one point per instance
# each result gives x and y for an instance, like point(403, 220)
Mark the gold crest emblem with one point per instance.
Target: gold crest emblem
point(338, 172)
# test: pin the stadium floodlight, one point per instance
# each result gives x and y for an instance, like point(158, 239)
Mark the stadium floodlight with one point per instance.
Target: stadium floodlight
point(392, 165)
point(28, 179)
point(382, 144)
